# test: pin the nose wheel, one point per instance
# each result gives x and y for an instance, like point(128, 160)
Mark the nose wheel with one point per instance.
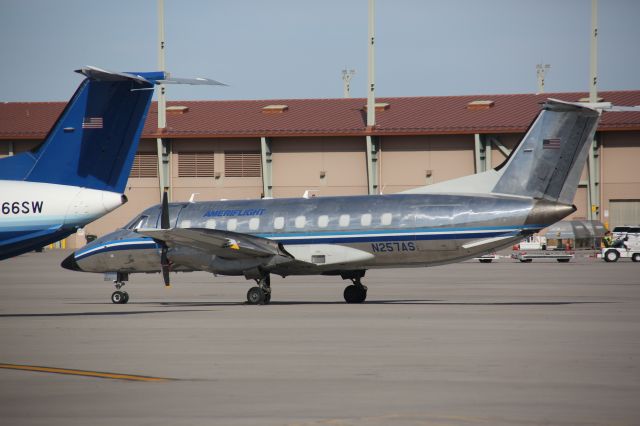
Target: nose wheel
point(119, 296)
point(260, 294)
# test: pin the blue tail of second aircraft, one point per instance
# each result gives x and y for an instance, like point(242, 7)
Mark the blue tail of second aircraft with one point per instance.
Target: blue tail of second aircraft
point(93, 142)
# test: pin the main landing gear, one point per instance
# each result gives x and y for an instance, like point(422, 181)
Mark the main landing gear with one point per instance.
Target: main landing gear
point(119, 296)
point(356, 292)
point(261, 294)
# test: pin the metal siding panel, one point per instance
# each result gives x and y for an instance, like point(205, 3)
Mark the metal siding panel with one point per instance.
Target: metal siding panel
point(624, 212)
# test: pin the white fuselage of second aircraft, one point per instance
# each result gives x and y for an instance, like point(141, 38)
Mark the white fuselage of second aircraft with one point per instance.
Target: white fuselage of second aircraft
point(29, 210)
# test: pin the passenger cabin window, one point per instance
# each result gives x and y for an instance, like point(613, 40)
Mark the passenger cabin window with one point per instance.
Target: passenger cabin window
point(254, 223)
point(232, 224)
point(323, 221)
point(365, 220)
point(300, 222)
point(278, 223)
point(344, 220)
point(211, 224)
point(385, 219)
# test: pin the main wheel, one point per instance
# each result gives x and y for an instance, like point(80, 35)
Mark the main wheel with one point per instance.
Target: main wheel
point(485, 260)
point(267, 298)
point(255, 296)
point(125, 297)
point(117, 297)
point(635, 257)
point(611, 256)
point(563, 260)
point(355, 294)
point(526, 260)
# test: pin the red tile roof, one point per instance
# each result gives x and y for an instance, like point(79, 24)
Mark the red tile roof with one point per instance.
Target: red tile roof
point(327, 117)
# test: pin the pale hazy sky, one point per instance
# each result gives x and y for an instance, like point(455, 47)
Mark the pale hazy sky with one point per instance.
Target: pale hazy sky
point(267, 49)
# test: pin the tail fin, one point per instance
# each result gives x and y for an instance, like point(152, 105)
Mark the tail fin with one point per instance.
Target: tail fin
point(93, 142)
point(548, 162)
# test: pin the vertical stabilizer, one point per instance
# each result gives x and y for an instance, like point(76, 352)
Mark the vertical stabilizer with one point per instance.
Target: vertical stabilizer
point(547, 164)
point(93, 142)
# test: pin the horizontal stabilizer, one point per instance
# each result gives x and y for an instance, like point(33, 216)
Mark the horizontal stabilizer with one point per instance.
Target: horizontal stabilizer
point(225, 244)
point(143, 78)
point(193, 81)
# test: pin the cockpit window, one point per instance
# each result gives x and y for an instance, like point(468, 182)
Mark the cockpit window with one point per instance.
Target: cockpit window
point(138, 222)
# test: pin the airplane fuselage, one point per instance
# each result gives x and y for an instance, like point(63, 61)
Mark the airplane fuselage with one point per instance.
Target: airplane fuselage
point(331, 235)
point(33, 214)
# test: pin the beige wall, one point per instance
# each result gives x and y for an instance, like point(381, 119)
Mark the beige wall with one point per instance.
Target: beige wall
point(404, 160)
point(297, 163)
point(620, 162)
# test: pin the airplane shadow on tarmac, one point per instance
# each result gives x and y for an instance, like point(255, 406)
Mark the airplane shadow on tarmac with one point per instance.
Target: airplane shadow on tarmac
point(281, 303)
point(372, 302)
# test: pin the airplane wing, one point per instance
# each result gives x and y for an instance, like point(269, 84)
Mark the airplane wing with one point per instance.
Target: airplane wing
point(225, 244)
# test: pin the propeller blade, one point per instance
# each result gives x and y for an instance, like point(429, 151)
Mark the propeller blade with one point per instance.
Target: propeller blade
point(164, 218)
point(166, 266)
point(165, 263)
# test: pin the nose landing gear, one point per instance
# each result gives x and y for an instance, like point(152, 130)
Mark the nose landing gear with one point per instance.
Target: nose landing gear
point(119, 296)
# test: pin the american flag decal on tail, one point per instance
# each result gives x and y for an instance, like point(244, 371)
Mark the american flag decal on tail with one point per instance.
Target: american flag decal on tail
point(92, 123)
point(551, 143)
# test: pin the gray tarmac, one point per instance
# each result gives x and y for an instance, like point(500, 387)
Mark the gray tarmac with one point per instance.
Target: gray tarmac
point(465, 344)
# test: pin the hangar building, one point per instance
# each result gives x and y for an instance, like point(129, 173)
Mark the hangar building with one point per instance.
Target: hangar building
point(282, 148)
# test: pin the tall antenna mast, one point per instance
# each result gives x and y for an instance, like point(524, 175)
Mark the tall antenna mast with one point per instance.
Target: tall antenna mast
point(162, 106)
point(593, 66)
point(347, 75)
point(541, 70)
point(371, 97)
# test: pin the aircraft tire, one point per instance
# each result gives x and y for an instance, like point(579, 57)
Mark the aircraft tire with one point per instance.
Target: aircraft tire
point(355, 294)
point(255, 296)
point(117, 297)
point(125, 298)
point(267, 298)
point(635, 257)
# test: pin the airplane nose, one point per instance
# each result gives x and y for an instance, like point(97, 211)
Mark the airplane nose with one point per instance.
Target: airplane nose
point(70, 263)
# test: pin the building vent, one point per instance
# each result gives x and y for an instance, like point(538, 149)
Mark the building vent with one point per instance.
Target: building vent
point(145, 165)
point(275, 109)
point(196, 164)
point(380, 106)
point(242, 164)
point(480, 104)
point(177, 109)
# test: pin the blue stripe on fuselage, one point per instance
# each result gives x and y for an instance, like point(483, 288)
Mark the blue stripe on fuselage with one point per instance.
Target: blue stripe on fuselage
point(117, 245)
point(382, 238)
point(466, 231)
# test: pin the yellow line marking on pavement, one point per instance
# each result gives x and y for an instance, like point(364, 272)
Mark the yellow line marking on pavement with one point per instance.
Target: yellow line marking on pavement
point(98, 374)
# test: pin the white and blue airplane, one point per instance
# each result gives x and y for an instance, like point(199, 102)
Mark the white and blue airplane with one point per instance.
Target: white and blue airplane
point(79, 172)
point(345, 236)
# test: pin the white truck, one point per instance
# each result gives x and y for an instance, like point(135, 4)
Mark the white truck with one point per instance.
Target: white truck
point(628, 247)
